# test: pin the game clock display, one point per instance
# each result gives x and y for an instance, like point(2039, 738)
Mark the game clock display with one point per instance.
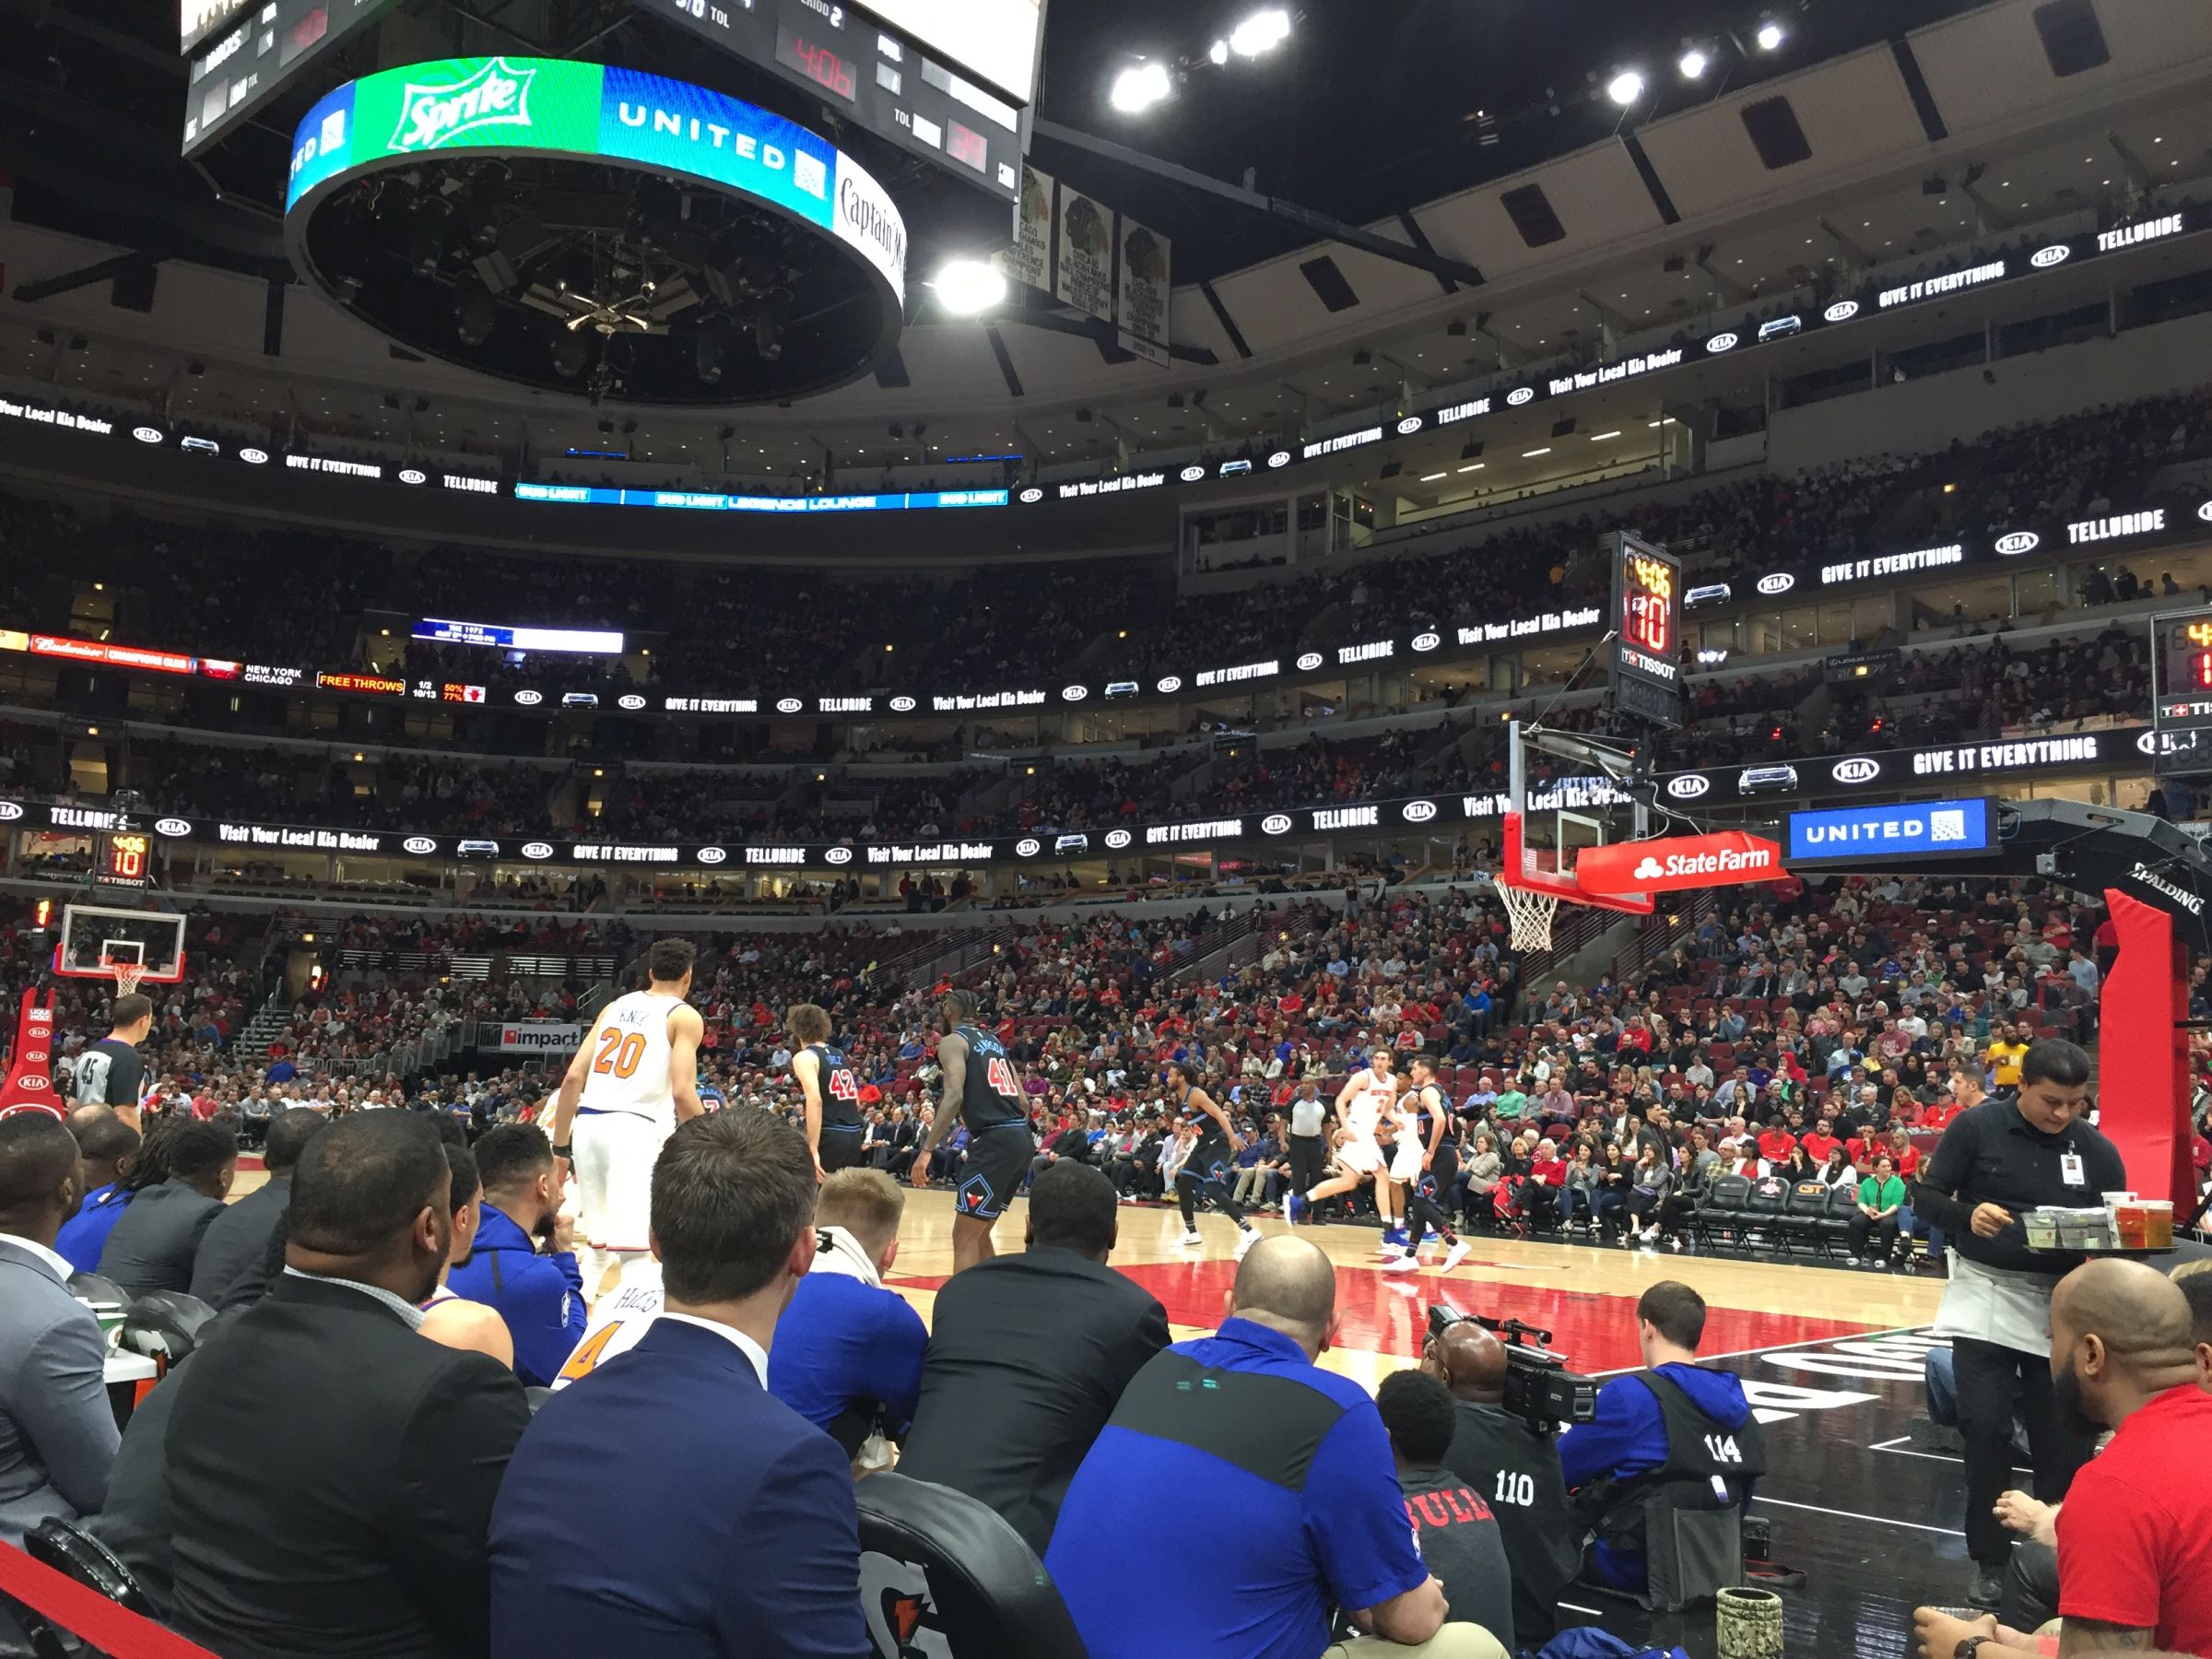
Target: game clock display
point(127, 860)
point(1646, 648)
point(2181, 670)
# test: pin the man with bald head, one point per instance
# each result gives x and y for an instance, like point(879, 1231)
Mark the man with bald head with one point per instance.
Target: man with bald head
point(1516, 1468)
point(2135, 1535)
point(1239, 1490)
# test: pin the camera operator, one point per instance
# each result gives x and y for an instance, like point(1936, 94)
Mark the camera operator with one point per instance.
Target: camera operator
point(1672, 1427)
point(1514, 1465)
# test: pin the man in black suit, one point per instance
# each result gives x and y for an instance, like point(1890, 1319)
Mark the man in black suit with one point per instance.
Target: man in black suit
point(154, 1242)
point(230, 1268)
point(1029, 1354)
point(331, 1473)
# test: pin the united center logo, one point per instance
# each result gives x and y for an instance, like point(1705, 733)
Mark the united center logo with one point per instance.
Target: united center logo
point(432, 117)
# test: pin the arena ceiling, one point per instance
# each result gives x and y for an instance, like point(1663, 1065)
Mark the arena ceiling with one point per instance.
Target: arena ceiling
point(1684, 223)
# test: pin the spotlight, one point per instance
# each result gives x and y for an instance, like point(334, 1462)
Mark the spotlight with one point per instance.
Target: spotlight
point(707, 346)
point(1218, 53)
point(474, 314)
point(965, 286)
point(767, 338)
point(1626, 88)
point(1694, 61)
point(1263, 31)
point(571, 352)
point(1770, 35)
point(1140, 87)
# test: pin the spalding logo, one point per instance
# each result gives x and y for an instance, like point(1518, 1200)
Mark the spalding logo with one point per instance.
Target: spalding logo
point(1032, 494)
point(1842, 310)
point(903, 705)
point(1427, 641)
point(1690, 786)
point(2019, 541)
point(1519, 395)
point(1857, 770)
point(1311, 660)
point(172, 827)
point(1723, 342)
point(1191, 474)
point(1074, 693)
point(1411, 424)
point(537, 850)
point(1781, 581)
point(529, 698)
point(1419, 812)
point(1118, 838)
point(2056, 254)
point(838, 855)
point(1025, 847)
point(1277, 823)
point(419, 843)
point(712, 856)
point(632, 701)
point(1169, 684)
point(788, 705)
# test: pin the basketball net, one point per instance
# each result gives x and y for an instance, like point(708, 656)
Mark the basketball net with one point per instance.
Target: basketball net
point(127, 975)
point(1529, 913)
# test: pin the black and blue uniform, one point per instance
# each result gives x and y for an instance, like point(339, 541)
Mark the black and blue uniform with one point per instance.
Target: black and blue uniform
point(844, 1128)
point(1427, 1193)
point(1209, 1171)
point(997, 1115)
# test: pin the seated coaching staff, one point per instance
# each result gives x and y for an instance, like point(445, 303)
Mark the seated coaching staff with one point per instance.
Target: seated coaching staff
point(331, 1473)
point(234, 1251)
point(1029, 1354)
point(156, 1240)
point(667, 1506)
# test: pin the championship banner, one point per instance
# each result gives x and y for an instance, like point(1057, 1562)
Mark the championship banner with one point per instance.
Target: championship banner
point(1085, 277)
point(30, 1084)
point(1029, 260)
point(538, 1037)
point(1727, 858)
point(1141, 288)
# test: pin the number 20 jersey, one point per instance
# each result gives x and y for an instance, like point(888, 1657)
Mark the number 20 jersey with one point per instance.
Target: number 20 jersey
point(991, 1094)
point(627, 1057)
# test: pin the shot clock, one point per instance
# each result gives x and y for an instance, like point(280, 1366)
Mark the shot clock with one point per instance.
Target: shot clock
point(124, 860)
point(1646, 646)
point(2181, 687)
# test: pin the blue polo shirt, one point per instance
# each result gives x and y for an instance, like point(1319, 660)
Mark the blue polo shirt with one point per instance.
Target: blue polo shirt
point(85, 1235)
point(1238, 1492)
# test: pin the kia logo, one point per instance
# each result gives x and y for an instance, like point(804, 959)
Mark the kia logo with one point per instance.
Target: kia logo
point(1118, 838)
point(1842, 310)
point(2056, 254)
point(1781, 581)
point(2019, 541)
point(2149, 743)
point(1519, 395)
point(1688, 786)
point(1171, 684)
point(1191, 474)
point(838, 855)
point(537, 850)
point(1074, 693)
point(1280, 458)
point(254, 457)
point(10, 811)
point(788, 705)
point(1419, 812)
point(1032, 494)
point(1857, 770)
point(712, 856)
point(419, 844)
point(1723, 342)
point(903, 705)
point(2204, 512)
point(1427, 641)
point(413, 475)
point(632, 701)
point(172, 827)
point(1027, 847)
point(1277, 823)
point(33, 1082)
point(147, 434)
point(529, 698)
point(1410, 425)
point(1311, 660)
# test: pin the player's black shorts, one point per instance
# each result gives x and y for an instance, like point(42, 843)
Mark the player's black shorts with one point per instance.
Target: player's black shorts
point(1443, 1169)
point(841, 1146)
point(1211, 1159)
point(997, 1160)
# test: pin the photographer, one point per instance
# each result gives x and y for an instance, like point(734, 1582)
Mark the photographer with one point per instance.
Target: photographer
point(1516, 1466)
point(1671, 1428)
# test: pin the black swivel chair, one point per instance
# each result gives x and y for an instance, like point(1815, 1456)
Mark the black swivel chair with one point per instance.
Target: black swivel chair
point(936, 1559)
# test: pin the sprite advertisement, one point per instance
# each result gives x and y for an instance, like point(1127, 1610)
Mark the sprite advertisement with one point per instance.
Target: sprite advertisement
point(553, 107)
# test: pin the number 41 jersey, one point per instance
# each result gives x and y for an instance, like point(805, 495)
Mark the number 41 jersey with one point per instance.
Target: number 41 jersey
point(991, 1094)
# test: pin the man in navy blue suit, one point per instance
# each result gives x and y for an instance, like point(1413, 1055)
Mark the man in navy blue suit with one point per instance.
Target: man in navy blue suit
point(667, 1503)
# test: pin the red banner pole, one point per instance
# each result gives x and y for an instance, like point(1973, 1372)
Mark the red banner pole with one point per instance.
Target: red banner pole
point(2143, 1054)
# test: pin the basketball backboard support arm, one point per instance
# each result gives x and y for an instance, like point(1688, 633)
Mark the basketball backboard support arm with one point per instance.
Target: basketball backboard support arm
point(1531, 867)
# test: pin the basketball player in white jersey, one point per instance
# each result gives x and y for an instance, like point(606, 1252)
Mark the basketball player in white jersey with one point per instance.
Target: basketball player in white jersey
point(634, 1079)
point(1367, 1096)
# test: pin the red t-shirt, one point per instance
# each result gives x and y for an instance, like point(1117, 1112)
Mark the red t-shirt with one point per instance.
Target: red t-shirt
point(1819, 1146)
point(2134, 1538)
point(1775, 1144)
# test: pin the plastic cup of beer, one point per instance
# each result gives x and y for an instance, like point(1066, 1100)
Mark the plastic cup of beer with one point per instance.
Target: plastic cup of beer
point(2158, 1224)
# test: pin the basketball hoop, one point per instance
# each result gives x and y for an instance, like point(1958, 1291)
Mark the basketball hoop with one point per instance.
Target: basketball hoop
point(127, 975)
point(1529, 913)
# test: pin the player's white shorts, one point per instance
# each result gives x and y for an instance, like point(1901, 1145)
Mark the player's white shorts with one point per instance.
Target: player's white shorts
point(1360, 1157)
point(1406, 1158)
point(615, 1154)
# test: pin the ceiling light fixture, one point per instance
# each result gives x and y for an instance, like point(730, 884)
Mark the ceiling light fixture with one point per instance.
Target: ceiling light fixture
point(1625, 87)
point(1770, 35)
point(1140, 87)
point(965, 286)
point(1694, 61)
point(1263, 31)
